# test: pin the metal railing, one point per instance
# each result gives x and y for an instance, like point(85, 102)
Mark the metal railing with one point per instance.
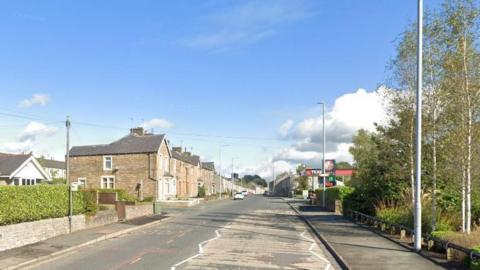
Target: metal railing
point(431, 240)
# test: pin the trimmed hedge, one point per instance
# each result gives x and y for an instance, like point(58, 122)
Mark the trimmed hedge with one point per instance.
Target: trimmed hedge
point(335, 193)
point(29, 203)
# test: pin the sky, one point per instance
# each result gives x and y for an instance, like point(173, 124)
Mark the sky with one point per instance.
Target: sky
point(236, 79)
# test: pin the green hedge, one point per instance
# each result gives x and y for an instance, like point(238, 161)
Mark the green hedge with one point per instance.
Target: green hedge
point(29, 203)
point(335, 193)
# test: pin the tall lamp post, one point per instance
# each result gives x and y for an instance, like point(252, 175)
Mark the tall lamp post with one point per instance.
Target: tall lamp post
point(418, 140)
point(323, 152)
point(220, 168)
point(233, 169)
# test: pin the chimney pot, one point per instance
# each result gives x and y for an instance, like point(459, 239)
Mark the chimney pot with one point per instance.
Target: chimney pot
point(137, 131)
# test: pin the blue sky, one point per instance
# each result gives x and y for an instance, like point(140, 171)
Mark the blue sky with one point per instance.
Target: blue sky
point(212, 69)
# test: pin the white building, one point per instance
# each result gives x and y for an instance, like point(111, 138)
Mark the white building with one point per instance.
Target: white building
point(21, 170)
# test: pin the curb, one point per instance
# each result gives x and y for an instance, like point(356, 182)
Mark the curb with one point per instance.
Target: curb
point(39, 260)
point(341, 262)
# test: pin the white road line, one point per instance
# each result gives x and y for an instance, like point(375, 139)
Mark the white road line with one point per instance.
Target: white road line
point(314, 244)
point(200, 251)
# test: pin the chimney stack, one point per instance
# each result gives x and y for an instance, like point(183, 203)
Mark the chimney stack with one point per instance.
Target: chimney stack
point(137, 131)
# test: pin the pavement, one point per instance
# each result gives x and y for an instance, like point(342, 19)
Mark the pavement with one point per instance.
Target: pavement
point(363, 248)
point(20, 258)
point(257, 233)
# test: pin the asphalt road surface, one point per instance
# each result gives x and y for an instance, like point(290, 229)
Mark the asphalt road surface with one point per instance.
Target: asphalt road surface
point(257, 233)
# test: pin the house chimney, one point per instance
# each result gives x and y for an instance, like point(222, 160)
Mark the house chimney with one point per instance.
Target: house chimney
point(137, 131)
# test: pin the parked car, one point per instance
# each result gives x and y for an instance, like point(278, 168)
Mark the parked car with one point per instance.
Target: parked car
point(238, 196)
point(245, 193)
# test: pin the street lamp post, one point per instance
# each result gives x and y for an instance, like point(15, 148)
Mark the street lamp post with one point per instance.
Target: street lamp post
point(233, 169)
point(418, 156)
point(323, 152)
point(220, 168)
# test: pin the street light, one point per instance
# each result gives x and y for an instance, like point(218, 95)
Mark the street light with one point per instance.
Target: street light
point(220, 168)
point(323, 152)
point(233, 168)
point(418, 155)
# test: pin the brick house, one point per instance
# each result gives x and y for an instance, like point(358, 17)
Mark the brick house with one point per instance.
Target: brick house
point(208, 177)
point(187, 171)
point(138, 163)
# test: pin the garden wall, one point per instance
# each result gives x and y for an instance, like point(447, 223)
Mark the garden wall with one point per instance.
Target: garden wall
point(16, 235)
point(138, 210)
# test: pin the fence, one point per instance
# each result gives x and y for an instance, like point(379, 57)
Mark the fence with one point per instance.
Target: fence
point(398, 228)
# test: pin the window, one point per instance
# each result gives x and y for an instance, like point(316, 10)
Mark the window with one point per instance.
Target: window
point(107, 163)
point(165, 164)
point(108, 182)
point(25, 182)
point(160, 161)
point(82, 182)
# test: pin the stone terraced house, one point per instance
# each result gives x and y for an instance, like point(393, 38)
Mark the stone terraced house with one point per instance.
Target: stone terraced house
point(187, 170)
point(139, 163)
point(208, 178)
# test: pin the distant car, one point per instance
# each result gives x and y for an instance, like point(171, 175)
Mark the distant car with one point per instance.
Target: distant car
point(238, 196)
point(265, 193)
point(245, 193)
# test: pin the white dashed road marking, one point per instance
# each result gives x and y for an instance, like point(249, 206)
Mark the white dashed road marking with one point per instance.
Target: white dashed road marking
point(200, 251)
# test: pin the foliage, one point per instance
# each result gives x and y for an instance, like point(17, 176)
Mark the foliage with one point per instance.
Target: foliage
point(201, 192)
point(302, 181)
point(343, 165)
point(122, 194)
point(58, 181)
point(256, 179)
point(30, 203)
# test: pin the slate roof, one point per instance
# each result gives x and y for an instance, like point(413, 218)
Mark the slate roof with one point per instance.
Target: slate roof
point(130, 144)
point(194, 159)
point(50, 163)
point(208, 166)
point(10, 162)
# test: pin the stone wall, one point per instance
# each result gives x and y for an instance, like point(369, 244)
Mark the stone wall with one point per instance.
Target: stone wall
point(138, 210)
point(103, 217)
point(16, 235)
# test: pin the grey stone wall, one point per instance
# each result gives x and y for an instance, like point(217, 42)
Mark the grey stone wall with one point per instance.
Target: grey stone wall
point(17, 235)
point(139, 210)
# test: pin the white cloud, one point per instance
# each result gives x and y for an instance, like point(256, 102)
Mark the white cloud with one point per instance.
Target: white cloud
point(36, 99)
point(35, 129)
point(27, 139)
point(157, 123)
point(266, 169)
point(351, 112)
point(285, 127)
point(248, 22)
point(18, 147)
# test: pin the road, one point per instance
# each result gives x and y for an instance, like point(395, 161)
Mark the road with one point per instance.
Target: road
point(257, 233)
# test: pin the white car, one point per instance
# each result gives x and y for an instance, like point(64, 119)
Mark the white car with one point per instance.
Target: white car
point(238, 196)
point(245, 193)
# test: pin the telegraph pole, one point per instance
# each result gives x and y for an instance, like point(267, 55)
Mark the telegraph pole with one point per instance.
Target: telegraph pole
point(323, 153)
point(418, 176)
point(67, 174)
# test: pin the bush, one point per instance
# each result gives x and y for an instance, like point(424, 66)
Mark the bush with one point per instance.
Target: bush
point(29, 203)
point(201, 192)
point(122, 195)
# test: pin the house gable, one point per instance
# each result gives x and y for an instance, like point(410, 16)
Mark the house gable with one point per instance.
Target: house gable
point(30, 169)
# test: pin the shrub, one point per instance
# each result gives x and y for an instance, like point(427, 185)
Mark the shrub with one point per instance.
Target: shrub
point(122, 195)
point(201, 192)
point(29, 203)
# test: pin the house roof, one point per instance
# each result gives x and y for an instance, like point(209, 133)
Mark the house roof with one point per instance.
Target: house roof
point(11, 162)
point(130, 144)
point(208, 166)
point(191, 159)
point(50, 163)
